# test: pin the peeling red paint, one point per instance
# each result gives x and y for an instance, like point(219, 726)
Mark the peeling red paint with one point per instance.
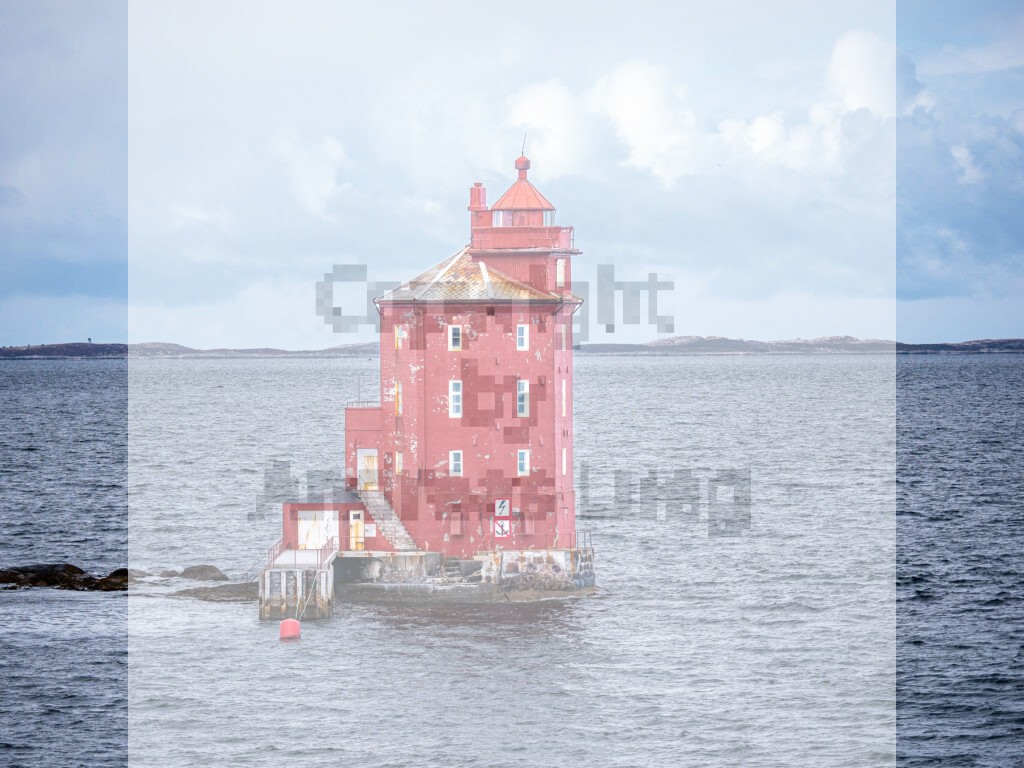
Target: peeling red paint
point(509, 276)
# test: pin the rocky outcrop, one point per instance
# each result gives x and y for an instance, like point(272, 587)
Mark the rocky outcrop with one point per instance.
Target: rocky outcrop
point(203, 573)
point(62, 576)
point(236, 592)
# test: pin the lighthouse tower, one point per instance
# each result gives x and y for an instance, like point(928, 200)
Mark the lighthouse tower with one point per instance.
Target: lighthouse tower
point(460, 478)
point(471, 446)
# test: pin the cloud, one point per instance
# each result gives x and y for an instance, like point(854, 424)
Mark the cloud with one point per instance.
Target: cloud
point(967, 171)
point(1004, 50)
point(314, 170)
point(868, 72)
point(556, 124)
point(649, 116)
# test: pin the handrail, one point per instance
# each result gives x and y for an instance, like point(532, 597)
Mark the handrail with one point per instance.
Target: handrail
point(324, 553)
point(267, 560)
point(275, 549)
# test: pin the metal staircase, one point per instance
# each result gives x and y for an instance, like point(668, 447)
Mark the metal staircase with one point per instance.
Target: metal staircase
point(388, 523)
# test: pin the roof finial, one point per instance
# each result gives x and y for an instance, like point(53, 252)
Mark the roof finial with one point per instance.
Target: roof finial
point(522, 163)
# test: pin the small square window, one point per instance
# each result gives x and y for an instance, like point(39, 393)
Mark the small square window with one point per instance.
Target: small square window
point(523, 463)
point(454, 337)
point(455, 463)
point(522, 337)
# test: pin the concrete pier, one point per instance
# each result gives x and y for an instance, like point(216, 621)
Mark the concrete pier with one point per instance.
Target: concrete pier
point(298, 584)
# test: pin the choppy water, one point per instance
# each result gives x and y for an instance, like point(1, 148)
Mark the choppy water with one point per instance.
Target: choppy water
point(777, 647)
point(63, 497)
point(961, 564)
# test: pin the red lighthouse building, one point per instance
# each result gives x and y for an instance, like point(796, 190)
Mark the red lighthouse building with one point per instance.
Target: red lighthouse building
point(471, 446)
point(460, 478)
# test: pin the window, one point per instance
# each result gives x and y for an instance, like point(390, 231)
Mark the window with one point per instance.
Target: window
point(454, 337)
point(560, 273)
point(455, 463)
point(454, 398)
point(565, 454)
point(398, 398)
point(399, 332)
point(502, 218)
point(563, 396)
point(523, 463)
point(522, 397)
point(522, 337)
point(456, 519)
point(398, 463)
point(549, 218)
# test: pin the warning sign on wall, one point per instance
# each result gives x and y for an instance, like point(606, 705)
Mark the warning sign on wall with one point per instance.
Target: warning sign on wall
point(502, 528)
point(502, 507)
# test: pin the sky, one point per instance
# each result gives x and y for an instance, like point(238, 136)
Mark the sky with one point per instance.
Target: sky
point(187, 172)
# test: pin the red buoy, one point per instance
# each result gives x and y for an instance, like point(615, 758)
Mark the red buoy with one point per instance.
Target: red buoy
point(291, 630)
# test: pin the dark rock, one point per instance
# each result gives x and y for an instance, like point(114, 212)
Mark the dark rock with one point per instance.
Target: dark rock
point(114, 581)
point(169, 574)
point(204, 573)
point(62, 576)
point(236, 592)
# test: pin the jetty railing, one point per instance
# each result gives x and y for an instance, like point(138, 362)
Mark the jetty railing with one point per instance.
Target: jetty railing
point(326, 551)
point(265, 561)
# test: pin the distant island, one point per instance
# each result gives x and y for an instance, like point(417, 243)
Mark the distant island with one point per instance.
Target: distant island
point(677, 345)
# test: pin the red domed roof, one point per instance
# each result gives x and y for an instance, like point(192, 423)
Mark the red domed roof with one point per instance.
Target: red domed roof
point(522, 195)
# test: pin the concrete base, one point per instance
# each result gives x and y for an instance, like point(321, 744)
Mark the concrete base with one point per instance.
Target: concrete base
point(449, 593)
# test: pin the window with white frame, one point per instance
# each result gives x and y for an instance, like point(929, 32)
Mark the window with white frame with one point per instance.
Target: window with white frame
point(398, 336)
point(454, 337)
point(455, 463)
point(398, 398)
point(561, 336)
point(522, 337)
point(454, 398)
point(549, 218)
point(523, 462)
point(501, 218)
point(398, 463)
point(560, 273)
point(523, 397)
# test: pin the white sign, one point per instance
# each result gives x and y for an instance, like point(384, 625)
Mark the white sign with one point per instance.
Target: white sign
point(502, 528)
point(370, 529)
point(502, 507)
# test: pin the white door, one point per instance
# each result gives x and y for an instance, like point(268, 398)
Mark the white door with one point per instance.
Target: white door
point(317, 527)
point(366, 462)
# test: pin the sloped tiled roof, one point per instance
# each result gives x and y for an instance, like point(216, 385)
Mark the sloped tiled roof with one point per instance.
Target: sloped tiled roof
point(462, 279)
point(522, 196)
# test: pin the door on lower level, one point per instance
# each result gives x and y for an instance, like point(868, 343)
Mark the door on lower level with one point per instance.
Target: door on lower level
point(317, 527)
point(366, 467)
point(356, 536)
